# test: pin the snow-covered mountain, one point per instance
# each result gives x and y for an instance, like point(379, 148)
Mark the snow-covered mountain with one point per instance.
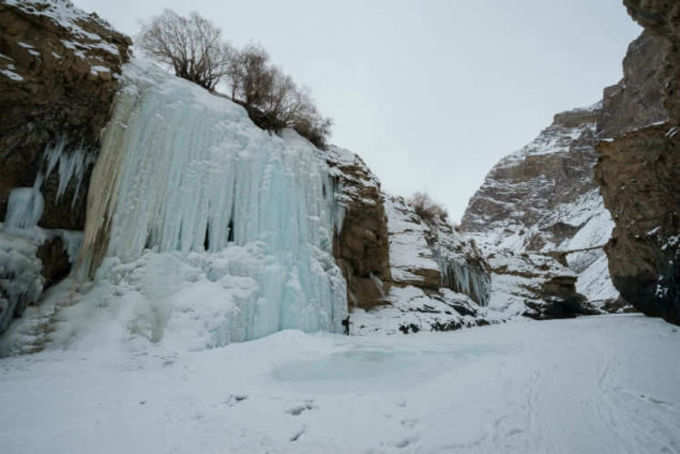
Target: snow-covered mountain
point(544, 199)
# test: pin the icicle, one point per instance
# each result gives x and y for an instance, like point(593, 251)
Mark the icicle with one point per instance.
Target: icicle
point(466, 278)
point(25, 207)
point(71, 166)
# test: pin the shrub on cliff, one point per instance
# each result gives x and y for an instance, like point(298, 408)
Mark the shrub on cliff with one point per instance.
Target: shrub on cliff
point(272, 98)
point(426, 208)
point(193, 47)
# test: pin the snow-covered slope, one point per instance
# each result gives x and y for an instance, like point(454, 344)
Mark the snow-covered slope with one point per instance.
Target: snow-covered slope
point(543, 198)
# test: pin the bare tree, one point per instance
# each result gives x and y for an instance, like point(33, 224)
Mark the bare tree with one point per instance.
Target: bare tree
point(192, 46)
point(426, 208)
point(251, 74)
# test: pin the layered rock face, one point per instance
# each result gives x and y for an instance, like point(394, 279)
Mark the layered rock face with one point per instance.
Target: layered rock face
point(543, 200)
point(535, 286)
point(58, 77)
point(639, 166)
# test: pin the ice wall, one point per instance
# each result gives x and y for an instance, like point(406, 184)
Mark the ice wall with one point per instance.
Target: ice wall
point(247, 217)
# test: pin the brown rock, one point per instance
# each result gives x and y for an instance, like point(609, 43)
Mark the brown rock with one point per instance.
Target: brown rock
point(55, 260)
point(638, 171)
point(634, 102)
point(361, 248)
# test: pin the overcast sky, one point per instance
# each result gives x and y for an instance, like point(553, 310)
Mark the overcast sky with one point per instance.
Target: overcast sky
point(430, 93)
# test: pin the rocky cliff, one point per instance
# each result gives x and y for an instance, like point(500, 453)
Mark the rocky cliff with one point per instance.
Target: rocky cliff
point(58, 76)
point(639, 165)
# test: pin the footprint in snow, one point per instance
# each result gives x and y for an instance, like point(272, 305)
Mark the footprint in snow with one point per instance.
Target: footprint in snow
point(299, 409)
point(655, 401)
point(235, 399)
point(297, 435)
point(409, 422)
point(406, 442)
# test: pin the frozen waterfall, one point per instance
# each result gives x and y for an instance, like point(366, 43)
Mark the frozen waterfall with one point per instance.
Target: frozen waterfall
point(205, 225)
point(467, 278)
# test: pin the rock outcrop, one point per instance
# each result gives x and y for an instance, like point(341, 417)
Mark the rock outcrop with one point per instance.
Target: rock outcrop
point(58, 76)
point(439, 282)
point(639, 166)
point(535, 286)
point(361, 248)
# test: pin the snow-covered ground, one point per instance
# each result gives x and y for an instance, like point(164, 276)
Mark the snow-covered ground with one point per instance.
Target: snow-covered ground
point(589, 385)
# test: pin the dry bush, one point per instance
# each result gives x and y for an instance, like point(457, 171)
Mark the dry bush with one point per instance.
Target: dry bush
point(427, 209)
point(273, 99)
point(192, 46)
point(252, 79)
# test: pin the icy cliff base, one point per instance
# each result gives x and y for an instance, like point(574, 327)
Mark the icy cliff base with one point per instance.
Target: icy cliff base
point(22, 277)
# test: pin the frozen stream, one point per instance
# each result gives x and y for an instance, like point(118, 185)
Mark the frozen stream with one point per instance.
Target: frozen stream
point(591, 385)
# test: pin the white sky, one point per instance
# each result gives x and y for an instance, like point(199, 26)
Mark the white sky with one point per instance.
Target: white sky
point(431, 93)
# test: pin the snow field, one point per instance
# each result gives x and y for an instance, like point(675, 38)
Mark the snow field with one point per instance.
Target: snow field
point(590, 385)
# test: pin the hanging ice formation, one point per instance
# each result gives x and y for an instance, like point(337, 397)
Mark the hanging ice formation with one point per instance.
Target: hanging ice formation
point(25, 205)
point(21, 282)
point(467, 278)
point(215, 217)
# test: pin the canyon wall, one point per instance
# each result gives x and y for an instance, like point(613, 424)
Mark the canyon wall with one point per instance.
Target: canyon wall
point(639, 164)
